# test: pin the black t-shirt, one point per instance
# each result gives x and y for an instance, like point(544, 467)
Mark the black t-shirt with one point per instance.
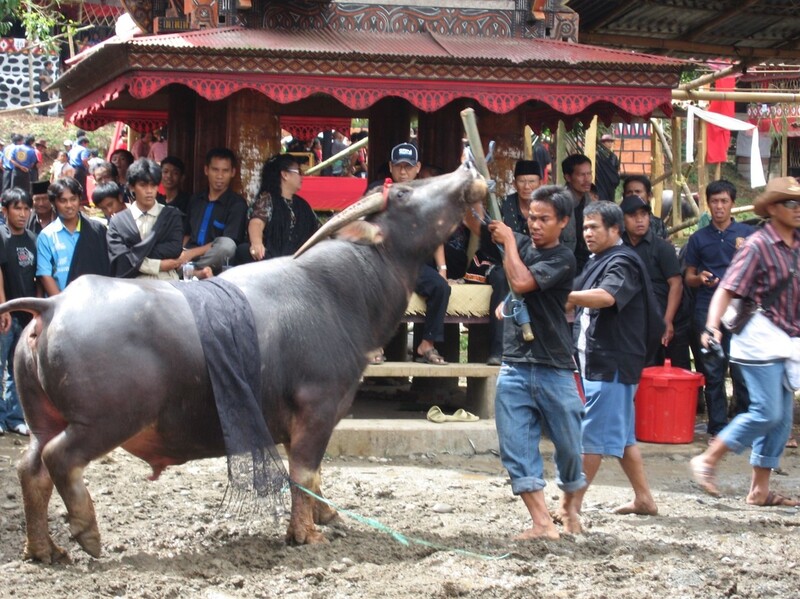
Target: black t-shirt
point(18, 259)
point(615, 337)
point(661, 262)
point(553, 269)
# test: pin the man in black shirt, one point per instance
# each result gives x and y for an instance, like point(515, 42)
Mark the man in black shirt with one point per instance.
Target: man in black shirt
point(536, 389)
point(610, 321)
point(216, 217)
point(664, 269)
point(577, 171)
point(18, 260)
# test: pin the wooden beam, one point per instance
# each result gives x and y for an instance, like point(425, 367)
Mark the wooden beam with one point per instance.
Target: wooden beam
point(784, 153)
point(677, 187)
point(656, 170)
point(654, 44)
point(715, 20)
point(527, 149)
point(561, 153)
point(590, 146)
point(702, 167)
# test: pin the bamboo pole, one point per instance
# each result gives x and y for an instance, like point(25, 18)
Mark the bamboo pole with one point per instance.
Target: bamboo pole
point(695, 219)
point(676, 166)
point(561, 152)
point(737, 96)
point(711, 77)
point(784, 152)
point(702, 166)
point(656, 170)
point(677, 188)
point(344, 153)
point(590, 146)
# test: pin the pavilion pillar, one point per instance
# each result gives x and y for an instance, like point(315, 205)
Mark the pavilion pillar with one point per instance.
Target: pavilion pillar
point(181, 134)
point(508, 132)
point(440, 135)
point(210, 122)
point(389, 125)
point(254, 134)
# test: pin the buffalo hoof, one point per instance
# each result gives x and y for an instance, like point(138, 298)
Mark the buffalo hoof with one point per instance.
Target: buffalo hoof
point(89, 540)
point(309, 537)
point(324, 514)
point(48, 553)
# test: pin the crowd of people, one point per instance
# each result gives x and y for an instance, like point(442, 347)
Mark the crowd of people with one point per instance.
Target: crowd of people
point(605, 291)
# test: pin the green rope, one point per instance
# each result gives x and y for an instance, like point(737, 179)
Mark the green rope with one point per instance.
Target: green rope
point(397, 536)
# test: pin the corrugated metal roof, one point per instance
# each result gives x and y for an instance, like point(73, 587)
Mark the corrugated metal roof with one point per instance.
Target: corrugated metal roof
point(695, 28)
point(425, 45)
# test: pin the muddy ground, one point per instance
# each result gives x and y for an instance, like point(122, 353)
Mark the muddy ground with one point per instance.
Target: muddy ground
point(168, 538)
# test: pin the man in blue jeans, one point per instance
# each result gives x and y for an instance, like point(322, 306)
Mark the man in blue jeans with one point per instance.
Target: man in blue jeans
point(709, 251)
point(536, 388)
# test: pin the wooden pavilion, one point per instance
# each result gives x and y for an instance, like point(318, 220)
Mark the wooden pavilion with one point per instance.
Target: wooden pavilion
point(240, 72)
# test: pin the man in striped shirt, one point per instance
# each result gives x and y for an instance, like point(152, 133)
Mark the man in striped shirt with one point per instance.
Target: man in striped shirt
point(766, 271)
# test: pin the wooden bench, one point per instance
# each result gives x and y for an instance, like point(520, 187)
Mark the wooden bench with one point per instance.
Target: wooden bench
point(469, 304)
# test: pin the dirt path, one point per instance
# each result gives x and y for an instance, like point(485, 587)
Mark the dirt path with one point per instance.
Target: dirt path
point(167, 538)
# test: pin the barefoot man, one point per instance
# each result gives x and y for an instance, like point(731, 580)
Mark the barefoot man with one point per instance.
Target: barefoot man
point(536, 388)
point(764, 270)
point(609, 323)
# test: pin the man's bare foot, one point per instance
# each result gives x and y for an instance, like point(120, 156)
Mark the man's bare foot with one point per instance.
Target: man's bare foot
point(704, 475)
point(638, 508)
point(539, 532)
point(572, 523)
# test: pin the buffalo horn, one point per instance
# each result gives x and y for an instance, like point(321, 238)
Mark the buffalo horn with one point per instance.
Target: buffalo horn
point(367, 205)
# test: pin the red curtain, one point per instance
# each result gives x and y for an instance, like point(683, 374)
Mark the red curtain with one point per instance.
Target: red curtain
point(718, 138)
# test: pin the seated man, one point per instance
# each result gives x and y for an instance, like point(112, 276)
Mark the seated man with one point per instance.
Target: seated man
point(108, 197)
point(145, 242)
point(172, 173)
point(216, 217)
point(432, 282)
point(72, 245)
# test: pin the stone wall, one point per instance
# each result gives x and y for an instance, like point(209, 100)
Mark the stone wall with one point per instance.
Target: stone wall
point(14, 74)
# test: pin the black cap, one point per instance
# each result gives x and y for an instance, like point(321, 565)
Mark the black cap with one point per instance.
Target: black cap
point(405, 153)
point(527, 167)
point(632, 203)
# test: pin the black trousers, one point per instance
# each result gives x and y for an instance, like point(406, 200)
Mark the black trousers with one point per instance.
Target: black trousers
point(432, 286)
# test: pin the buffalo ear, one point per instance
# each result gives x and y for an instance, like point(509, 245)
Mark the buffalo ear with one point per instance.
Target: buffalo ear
point(362, 232)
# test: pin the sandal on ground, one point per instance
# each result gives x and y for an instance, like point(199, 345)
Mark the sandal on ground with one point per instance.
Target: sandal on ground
point(463, 416)
point(432, 357)
point(704, 476)
point(774, 499)
point(435, 414)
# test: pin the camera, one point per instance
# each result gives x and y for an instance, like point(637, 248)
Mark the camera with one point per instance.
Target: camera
point(714, 349)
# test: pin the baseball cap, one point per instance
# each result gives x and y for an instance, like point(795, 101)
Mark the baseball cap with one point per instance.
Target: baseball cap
point(404, 153)
point(632, 203)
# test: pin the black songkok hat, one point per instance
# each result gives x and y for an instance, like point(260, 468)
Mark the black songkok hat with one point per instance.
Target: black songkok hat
point(527, 167)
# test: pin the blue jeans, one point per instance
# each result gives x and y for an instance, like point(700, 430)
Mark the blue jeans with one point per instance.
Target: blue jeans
point(532, 399)
point(714, 370)
point(767, 424)
point(10, 410)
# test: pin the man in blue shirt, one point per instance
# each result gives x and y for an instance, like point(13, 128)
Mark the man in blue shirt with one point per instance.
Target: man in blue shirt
point(78, 159)
point(708, 254)
point(71, 245)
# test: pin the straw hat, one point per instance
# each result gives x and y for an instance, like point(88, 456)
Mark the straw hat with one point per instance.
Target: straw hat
point(782, 188)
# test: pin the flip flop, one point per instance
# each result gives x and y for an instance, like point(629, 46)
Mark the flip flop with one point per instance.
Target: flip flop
point(776, 500)
point(462, 415)
point(436, 415)
point(432, 357)
point(704, 476)
point(791, 443)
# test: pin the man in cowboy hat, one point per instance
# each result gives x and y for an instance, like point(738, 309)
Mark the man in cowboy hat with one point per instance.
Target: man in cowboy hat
point(764, 270)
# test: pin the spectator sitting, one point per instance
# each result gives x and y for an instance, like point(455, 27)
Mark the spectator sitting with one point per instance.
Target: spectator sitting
point(72, 245)
point(145, 241)
point(172, 173)
point(281, 220)
point(216, 217)
point(107, 197)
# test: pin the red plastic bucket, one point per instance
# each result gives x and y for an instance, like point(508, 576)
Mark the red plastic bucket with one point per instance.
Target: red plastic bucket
point(666, 404)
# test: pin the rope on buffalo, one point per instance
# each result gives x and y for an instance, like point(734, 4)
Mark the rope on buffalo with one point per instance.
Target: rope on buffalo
point(229, 340)
point(397, 536)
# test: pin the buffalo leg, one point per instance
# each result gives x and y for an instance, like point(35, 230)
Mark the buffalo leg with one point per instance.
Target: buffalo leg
point(323, 513)
point(301, 523)
point(37, 487)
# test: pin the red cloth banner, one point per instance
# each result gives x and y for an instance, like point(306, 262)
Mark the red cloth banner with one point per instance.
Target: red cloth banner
point(718, 138)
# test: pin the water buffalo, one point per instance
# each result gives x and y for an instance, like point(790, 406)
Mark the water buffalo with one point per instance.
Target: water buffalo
point(113, 362)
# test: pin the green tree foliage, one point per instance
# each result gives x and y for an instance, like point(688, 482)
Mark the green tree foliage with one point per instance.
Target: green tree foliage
point(41, 19)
